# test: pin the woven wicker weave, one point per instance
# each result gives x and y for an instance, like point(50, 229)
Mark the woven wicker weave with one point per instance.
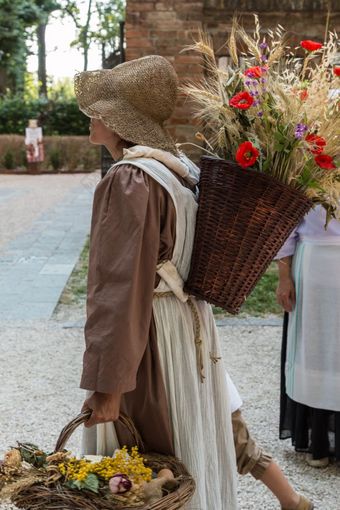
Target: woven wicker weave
point(57, 497)
point(243, 219)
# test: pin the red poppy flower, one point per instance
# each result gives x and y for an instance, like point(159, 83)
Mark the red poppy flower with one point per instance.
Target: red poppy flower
point(246, 154)
point(254, 72)
point(242, 100)
point(318, 143)
point(324, 161)
point(310, 45)
point(336, 70)
point(303, 94)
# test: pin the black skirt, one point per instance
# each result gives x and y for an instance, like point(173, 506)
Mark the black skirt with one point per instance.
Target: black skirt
point(312, 430)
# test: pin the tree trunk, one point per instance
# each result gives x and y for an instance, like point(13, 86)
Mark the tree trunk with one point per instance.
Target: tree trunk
point(42, 75)
point(3, 80)
point(103, 55)
point(86, 31)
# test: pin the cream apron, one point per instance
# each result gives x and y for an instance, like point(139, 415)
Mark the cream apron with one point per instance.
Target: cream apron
point(313, 342)
point(200, 412)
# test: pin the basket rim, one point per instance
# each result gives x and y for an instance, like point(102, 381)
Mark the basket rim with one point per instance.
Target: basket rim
point(258, 174)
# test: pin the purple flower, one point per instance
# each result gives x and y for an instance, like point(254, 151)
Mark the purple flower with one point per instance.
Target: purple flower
point(263, 45)
point(255, 83)
point(256, 103)
point(263, 80)
point(248, 82)
point(119, 484)
point(264, 69)
point(264, 58)
point(300, 130)
point(260, 114)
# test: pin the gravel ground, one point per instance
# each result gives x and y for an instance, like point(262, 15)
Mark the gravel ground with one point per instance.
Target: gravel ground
point(40, 367)
point(252, 356)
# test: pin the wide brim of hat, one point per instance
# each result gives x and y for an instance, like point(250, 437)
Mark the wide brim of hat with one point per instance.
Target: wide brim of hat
point(128, 122)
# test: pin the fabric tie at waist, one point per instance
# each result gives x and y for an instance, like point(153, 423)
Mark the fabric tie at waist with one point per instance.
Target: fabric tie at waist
point(169, 274)
point(321, 241)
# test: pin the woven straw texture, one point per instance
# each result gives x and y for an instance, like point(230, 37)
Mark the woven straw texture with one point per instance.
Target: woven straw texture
point(133, 99)
point(243, 219)
point(39, 496)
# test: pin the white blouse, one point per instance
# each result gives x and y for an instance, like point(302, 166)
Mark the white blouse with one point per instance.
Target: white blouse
point(312, 228)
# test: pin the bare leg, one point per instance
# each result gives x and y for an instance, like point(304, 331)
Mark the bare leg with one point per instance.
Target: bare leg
point(276, 481)
point(252, 459)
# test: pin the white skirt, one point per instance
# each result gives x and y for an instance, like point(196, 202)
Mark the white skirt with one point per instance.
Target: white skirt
point(200, 413)
point(313, 343)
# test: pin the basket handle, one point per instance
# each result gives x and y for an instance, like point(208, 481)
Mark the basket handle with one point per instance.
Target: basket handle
point(68, 430)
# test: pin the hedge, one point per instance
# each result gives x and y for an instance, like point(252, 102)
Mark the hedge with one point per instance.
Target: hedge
point(62, 154)
point(59, 117)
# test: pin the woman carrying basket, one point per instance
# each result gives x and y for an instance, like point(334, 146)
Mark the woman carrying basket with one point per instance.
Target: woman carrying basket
point(151, 350)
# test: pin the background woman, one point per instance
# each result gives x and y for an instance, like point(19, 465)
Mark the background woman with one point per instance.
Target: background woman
point(309, 292)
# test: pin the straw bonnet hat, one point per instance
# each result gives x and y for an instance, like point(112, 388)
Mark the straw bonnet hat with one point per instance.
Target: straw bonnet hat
point(133, 99)
point(33, 123)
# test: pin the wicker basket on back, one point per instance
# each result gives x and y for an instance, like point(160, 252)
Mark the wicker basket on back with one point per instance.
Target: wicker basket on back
point(40, 496)
point(243, 219)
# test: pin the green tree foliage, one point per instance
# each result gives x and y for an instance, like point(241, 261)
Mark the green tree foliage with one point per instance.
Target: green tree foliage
point(110, 15)
point(82, 40)
point(58, 116)
point(45, 8)
point(100, 26)
point(20, 99)
point(15, 18)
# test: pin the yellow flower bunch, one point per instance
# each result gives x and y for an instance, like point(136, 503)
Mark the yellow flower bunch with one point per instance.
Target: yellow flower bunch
point(130, 464)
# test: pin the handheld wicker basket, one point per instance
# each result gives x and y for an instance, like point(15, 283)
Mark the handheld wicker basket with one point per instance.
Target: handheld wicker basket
point(40, 496)
point(243, 219)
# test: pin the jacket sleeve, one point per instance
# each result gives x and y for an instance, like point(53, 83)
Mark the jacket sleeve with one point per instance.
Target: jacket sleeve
point(124, 247)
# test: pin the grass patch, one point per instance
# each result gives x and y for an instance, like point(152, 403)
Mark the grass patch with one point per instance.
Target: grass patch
point(76, 287)
point(262, 300)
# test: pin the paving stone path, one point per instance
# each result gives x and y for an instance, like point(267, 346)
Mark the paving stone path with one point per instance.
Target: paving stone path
point(37, 260)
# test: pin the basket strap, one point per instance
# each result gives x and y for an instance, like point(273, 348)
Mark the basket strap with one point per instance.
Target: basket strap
point(68, 430)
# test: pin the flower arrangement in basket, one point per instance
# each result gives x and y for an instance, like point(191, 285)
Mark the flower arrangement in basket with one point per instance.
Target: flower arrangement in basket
point(271, 127)
point(32, 479)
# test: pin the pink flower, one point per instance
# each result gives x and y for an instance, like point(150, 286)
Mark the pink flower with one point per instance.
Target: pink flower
point(119, 484)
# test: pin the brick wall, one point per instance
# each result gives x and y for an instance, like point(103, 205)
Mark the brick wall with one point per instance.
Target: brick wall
point(166, 27)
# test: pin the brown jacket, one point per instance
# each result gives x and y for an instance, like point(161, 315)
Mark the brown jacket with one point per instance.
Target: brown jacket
point(133, 227)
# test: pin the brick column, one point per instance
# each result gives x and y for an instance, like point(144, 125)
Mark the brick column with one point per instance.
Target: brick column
point(165, 28)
